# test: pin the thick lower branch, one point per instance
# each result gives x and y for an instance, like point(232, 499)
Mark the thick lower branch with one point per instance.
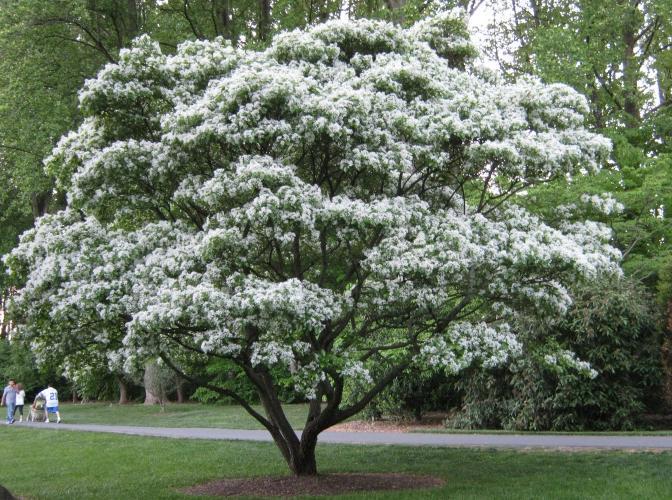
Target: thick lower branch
point(340, 415)
point(224, 392)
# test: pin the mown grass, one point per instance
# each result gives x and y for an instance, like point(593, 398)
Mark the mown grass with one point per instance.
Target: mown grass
point(174, 415)
point(50, 464)
point(230, 417)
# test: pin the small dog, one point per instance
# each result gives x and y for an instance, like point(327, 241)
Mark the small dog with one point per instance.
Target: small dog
point(37, 412)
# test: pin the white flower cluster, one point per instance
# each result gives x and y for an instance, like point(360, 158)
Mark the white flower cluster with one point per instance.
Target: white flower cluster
point(355, 370)
point(466, 343)
point(568, 360)
point(604, 203)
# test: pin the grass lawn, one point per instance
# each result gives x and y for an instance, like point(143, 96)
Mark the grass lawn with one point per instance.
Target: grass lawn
point(173, 415)
point(43, 464)
point(226, 416)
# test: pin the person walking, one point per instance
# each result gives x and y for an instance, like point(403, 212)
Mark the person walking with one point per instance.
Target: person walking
point(9, 399)
point(50, 395)
point(20, 398)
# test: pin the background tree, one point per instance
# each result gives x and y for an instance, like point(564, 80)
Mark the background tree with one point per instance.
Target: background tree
point(619, 62)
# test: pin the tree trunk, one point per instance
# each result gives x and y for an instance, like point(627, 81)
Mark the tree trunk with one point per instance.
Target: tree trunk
point(630, 69)
point(132, 19)
point(179, 389)
point(597, 110)
point(39, 203)
point(152, 385)
point(396, 6)
point(123, 391)
point(303, 463)
point(4, 323)
point(264, 25)
point(222, 19)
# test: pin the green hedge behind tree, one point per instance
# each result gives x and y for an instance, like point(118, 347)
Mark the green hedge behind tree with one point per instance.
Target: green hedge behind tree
point(614, 326)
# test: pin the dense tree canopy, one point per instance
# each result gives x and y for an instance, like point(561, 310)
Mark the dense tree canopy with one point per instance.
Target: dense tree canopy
point(339, 198)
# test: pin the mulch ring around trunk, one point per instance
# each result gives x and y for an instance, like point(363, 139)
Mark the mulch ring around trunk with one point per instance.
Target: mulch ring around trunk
point(327, 484)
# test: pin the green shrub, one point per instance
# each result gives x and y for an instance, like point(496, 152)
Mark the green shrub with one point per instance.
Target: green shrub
point(410, 396)
point(614, 325)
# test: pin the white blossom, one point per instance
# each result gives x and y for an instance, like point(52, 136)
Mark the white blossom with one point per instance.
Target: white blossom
point(604, 203)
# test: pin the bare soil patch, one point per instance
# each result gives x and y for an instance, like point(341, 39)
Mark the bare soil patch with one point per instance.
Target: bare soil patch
point(430, 421)
point(327, 484)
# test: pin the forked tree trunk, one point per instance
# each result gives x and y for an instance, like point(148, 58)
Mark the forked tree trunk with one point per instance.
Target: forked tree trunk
point(299, 454)
point(303, 463)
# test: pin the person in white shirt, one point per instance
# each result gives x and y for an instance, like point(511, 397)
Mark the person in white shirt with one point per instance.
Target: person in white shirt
point(20, 397)
point(50, 395)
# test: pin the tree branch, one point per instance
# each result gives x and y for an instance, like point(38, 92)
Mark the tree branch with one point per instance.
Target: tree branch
point(224, 392)
point(21, 150)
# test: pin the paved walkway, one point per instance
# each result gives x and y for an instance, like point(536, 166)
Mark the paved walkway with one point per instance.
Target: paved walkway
point(396, 438)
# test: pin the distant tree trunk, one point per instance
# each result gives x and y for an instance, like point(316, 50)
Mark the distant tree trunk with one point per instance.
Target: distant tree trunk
point(395, 4)
point(221, 14)
point(132, 19)
point(664, 80)
point(75, 399)
point(39, 203)
point(179, 388)
point(396, 7)
point(630, 69)
point(4, 322)
point(264, 25)
point(123, 390)
point(152, 384)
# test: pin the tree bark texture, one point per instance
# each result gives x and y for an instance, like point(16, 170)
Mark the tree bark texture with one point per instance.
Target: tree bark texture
point(630, 68)
point(264, 26)
point(123, 390)
point(4, 322)
point(151, 380)
point(179, 389)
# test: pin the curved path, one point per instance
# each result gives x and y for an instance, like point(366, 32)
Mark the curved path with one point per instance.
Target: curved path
point(394, 438)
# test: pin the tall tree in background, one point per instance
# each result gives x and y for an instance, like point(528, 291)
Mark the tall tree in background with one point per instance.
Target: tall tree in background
point(616, 53)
